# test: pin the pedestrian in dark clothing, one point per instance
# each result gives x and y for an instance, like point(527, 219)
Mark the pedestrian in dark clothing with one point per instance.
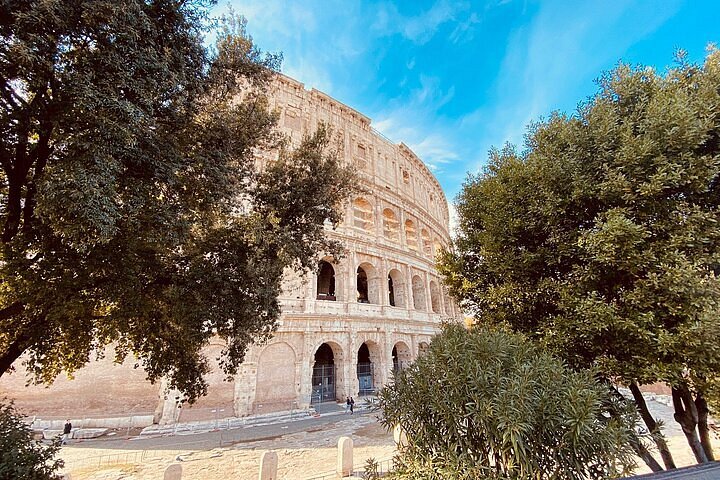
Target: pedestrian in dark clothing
point(352, 405)
point(347, 404)
point(66, 431)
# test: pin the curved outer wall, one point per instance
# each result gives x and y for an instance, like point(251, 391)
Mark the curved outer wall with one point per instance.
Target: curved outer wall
point(327, 346)
point(392, 229)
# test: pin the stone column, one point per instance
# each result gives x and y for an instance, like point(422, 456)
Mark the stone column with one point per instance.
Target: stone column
point(245, 385)
point(307, 360)
point(428, 293)
point(409, 295)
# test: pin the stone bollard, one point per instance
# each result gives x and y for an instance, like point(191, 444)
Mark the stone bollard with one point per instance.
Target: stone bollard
point(268, 466)
point(345, 457)
point(173, 472)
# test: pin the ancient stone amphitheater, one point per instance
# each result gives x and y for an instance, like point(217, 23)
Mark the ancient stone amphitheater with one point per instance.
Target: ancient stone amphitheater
point(343, 330)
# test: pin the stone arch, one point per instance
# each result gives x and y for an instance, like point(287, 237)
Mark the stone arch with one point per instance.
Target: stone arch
point(426, 243)
point(327, 379)
point(368, 284)
point(411, 235)
point(448, 303)
point(423, 348)
point(391, 225)
point(363, 214)
point(396, 289)
point(368, 361)
point(275, 388)
point(435, 297)
point(325, 281)
point(401, 356)
point(418, 289)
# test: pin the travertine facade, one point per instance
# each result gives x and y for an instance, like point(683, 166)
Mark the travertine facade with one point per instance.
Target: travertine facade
point(346, 327)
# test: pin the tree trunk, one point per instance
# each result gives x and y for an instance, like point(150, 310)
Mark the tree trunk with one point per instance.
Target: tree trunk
point(703, 429)
point(686, 415)
point(652, 426)
point(635, 442)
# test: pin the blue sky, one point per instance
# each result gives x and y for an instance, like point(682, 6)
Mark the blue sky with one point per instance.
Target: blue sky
point(451, 79)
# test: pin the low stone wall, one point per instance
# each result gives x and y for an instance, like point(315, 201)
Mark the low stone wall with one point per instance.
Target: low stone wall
point(134, 421)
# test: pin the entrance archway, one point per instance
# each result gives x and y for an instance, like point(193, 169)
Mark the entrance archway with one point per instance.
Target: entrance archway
point(323, 376)
point(366, 361)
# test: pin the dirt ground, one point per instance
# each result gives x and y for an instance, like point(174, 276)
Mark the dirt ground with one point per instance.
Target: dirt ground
point(301, 456)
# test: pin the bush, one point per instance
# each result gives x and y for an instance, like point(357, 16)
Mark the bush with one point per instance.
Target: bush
point(490, 404)
point(20, 455)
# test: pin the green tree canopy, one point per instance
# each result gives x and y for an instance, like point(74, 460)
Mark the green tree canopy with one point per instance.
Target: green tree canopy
point(491, 404)
point(132, 208)
point(602, 238)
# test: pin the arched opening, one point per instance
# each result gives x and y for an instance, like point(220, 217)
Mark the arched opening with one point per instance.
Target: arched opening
point(325, 281)
point(366, 369)
point(275, 384)
point(391, 226)
point(363, 214)
point(411, 235)
point(368, 284)
point(426, 243)
point(435, 297)
point(323, 376)
point(418, 289)
point(401, 356)
point(396, 296)
point(362, 286)
point(423, 348)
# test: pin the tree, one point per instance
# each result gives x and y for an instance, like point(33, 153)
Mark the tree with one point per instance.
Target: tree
point(487, 403)
point(602, 238)
point(132, 208)
point(20, 455)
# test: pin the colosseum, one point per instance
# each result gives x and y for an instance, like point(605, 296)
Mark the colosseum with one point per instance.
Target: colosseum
point(344, 328)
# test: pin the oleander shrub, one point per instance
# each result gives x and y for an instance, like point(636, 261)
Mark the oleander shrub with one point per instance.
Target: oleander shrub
point(486, 403)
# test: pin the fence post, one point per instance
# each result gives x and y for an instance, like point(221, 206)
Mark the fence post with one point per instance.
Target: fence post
point(268, 466)
point(345, 457)
point(173, 472)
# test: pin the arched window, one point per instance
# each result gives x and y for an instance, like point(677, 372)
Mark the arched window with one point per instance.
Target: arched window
point(435, 297)
point(426, 243)
point(396, 288)
point(411, 235)
point(368, 284)
point(363, 214)
point(391, 225)
point(325, 281)
point(418, 289)
point(362, 286)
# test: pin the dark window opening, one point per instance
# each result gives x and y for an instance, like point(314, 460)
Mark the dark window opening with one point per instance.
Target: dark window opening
point(391, 291)
point(362, 286)
point(326, 281)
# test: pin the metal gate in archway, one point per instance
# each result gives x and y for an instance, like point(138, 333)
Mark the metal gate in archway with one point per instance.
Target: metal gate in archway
point(323, 383)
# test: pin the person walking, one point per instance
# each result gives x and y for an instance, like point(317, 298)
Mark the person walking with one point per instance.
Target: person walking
point(66, 431)
point(347, 404)
point(352, 405)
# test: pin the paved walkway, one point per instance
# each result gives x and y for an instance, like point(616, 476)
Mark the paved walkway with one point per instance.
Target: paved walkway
point(328, 414)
